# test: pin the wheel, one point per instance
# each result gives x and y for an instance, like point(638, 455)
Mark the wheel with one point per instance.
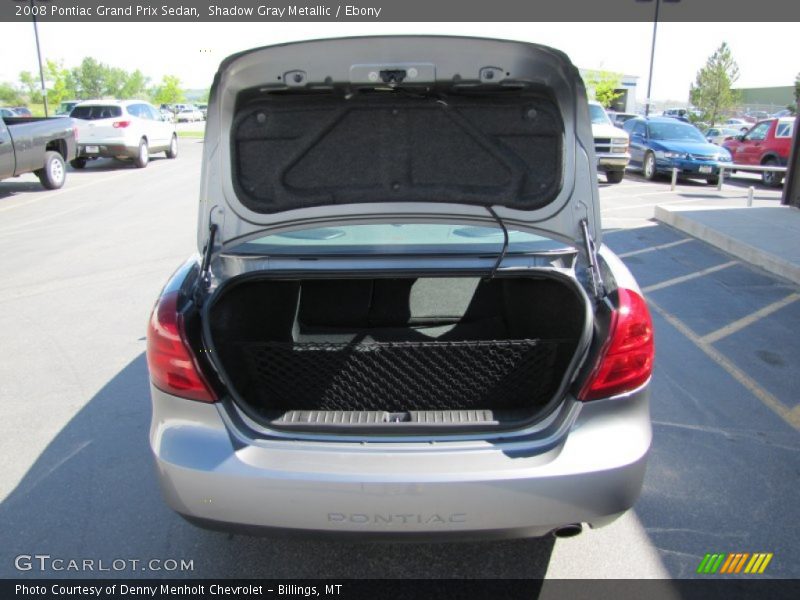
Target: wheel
point(649, 166)
point(713, 180)
point(54, 172)
point(771, 178)
point(614, 176)
point(143, 156)
point(172, 151)
point(78, 163)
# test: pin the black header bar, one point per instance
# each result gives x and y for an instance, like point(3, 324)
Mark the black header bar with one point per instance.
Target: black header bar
point(275, 11)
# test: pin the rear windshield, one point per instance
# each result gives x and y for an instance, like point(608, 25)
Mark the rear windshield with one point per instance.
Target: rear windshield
point(90, 113)
point(407, 238)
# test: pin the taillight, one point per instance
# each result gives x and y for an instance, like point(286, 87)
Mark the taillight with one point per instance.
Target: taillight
point(173, 368)
point(121, 124)
point(626, 361)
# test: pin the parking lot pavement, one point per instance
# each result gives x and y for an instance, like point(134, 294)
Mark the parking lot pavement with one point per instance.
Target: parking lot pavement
point(82, 266)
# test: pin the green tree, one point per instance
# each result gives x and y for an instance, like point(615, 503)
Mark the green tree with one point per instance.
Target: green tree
point(169, 91)
point(605, 85)
point(10, 95)
point(135, 85)
point(31, 85)
point(797, 89)
point(711, 92)
point(58, 82)
point(114, 80)
point(90, 79)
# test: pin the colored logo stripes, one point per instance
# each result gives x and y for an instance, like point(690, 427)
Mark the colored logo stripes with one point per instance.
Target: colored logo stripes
point(735, 562)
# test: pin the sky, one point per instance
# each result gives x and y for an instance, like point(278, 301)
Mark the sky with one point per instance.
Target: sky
point(768, 54)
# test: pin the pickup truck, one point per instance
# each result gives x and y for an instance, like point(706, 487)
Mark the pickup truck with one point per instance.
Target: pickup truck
point(37, 145)
point(768, 143)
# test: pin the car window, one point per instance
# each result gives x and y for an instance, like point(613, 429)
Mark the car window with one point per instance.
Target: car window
point(784, 130)
point(154, 114)
point(633, 127)
point(96, 111)
point(639, 128)
point(675, 131)
point(758, 133)
point(598, 115)
point(135, 110)
point(711, 132)
point(397, 239)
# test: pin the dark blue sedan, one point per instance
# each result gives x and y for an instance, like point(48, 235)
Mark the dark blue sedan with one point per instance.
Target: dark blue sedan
point(659, 144)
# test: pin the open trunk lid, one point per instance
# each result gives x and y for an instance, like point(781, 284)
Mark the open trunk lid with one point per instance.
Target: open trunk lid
point(398, 129)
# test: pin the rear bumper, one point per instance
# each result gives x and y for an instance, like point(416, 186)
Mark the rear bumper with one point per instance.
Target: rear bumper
point(215, 478)
point(108, 150)
point(612, 162)
point(689, 168)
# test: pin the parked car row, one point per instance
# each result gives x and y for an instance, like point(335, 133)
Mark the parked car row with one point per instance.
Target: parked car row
point(15, 112)
point(659, 144)
point(121, 129)
point(184, 113)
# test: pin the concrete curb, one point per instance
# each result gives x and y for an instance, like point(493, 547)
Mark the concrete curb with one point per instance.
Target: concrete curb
point(681, 220)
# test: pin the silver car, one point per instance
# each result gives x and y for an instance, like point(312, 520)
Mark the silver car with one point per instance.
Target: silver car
point(401, 320)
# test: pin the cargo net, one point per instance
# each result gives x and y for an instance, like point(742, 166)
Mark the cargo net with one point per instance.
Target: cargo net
point(402, 376)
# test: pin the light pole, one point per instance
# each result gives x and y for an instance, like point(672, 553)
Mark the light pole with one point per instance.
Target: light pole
point(39, 56)
point(653, 51)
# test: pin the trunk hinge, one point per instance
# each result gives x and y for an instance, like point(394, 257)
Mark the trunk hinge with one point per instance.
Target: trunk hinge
point(205, 266)
point(598, 289)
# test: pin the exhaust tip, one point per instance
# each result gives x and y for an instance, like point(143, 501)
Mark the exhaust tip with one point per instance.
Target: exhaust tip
point(568, 531)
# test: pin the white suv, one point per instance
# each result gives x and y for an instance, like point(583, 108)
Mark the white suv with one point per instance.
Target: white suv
point(122, 129)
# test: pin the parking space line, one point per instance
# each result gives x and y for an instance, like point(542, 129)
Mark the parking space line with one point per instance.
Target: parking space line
point(792, 417)
point(740, 324)
point(654, 248)
point(689, 277)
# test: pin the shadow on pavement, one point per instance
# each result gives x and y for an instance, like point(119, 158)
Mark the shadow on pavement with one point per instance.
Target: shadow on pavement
point(8, 189)
point(723, 470)
point(92, 494)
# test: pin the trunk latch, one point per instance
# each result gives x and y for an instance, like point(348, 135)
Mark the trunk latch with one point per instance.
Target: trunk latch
point(393, 76)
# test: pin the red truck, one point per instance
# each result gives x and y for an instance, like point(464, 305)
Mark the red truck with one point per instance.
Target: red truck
point(767, 143)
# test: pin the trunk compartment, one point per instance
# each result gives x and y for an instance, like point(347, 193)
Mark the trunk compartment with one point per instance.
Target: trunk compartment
point(451, 351)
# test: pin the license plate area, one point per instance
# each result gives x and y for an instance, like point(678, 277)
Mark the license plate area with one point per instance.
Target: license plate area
point(705, 169)
point(92, 149)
